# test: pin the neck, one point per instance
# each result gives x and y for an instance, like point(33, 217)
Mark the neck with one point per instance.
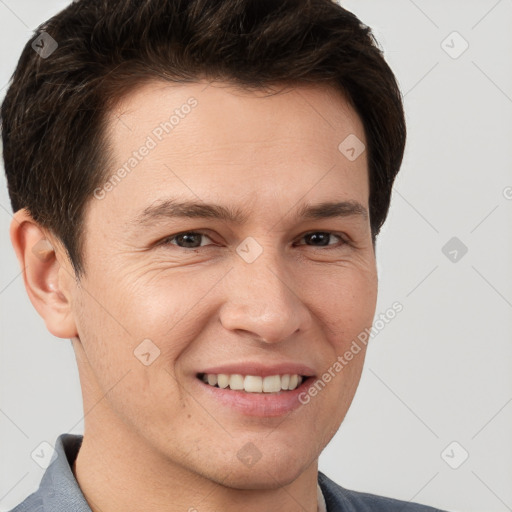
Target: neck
point(120, 474)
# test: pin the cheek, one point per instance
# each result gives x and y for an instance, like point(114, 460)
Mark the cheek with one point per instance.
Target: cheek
point(344, 300)
point(138, 304)
point(127, 365)
point(134, 332)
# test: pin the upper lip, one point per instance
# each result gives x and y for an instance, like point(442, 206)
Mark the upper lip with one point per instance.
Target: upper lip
point(260, 369)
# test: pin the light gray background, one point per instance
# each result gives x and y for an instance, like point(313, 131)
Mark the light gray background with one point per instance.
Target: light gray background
point(441, 370)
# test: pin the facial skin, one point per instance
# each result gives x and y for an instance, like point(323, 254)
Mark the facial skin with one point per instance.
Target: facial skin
point(148, 427)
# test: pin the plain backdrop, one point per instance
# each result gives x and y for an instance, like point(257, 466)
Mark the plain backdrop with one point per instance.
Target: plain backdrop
point(432, 418)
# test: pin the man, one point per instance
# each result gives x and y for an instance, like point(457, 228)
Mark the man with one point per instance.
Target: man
point(198, 187)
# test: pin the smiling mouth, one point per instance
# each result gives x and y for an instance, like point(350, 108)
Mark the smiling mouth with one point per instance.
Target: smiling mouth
point(253, 383)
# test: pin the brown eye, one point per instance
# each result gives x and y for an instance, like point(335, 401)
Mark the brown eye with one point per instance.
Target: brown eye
point(186, 240)
point(321, 239)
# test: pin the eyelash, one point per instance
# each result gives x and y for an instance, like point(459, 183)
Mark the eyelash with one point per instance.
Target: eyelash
point(168, 240)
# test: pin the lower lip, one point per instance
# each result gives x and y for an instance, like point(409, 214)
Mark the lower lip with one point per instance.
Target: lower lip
point(257, 404)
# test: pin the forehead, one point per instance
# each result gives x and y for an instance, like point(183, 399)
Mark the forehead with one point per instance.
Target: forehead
point(229, 145)
point(208, 113)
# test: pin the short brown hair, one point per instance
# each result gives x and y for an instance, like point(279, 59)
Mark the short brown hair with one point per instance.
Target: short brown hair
point(53, 115)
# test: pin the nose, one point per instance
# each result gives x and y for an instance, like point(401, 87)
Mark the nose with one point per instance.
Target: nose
point(263, 301)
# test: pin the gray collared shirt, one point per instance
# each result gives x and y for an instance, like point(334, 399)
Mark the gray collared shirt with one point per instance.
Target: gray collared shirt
point(59, 491)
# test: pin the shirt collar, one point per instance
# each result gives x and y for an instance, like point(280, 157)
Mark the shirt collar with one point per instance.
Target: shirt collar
point(59, 489)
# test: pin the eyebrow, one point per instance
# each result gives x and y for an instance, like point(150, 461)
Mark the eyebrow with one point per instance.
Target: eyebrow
point(172, 208)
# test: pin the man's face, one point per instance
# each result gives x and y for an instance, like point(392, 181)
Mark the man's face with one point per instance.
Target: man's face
point(270, 293)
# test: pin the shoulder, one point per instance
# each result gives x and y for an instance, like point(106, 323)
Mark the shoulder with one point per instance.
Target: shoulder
point(339, 499)
point(32, 503)
point(58, 489)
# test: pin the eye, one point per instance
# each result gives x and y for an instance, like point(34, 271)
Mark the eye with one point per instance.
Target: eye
point(186, 240)
point(321, 239)
point(192, 239)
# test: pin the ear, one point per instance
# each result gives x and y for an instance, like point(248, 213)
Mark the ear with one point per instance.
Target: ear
point(48, 277)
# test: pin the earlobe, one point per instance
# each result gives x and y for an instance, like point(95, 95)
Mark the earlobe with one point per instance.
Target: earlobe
point(48, 280)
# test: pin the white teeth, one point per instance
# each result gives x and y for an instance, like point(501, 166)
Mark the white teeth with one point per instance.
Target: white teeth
point(253, 383)
point(272, 384)
point(223, 380)
point(236, 382)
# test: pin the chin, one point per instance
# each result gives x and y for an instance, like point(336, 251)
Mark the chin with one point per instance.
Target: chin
point(264, 477)
point(269, 472)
